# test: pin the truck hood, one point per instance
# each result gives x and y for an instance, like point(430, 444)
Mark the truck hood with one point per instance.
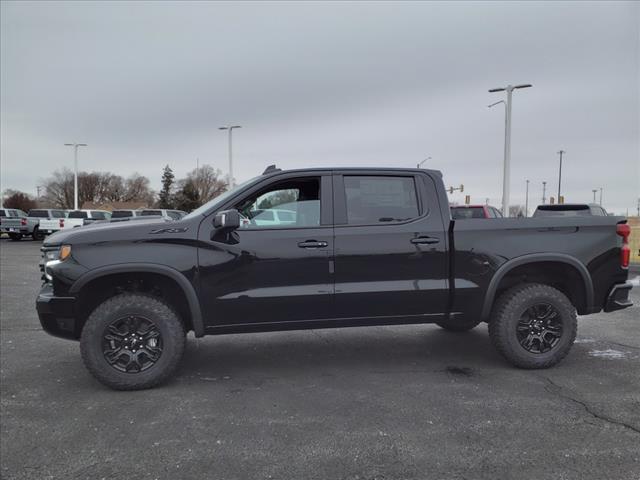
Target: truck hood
point(110, 231)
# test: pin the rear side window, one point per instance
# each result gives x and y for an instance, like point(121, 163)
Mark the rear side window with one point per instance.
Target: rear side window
point(461, 213)
point(58, 213)
point(380, 199)
point(2, 213)
point(39, 213)
point(78, 214)
point(98, 215)
point(151, 212)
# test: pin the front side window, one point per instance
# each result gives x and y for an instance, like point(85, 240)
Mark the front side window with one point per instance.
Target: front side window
point(58, 213)
point(380, 199)
point(290, 203)
point(78, 214)
point(145, 213)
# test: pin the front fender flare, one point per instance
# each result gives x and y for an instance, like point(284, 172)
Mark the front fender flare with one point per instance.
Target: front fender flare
point(172, 273)
point(506, 267)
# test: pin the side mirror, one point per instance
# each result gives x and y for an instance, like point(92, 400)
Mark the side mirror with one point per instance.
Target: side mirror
point(227, 220)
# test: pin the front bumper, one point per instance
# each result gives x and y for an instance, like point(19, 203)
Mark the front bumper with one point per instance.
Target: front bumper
point(618, 297)
point(57, 314)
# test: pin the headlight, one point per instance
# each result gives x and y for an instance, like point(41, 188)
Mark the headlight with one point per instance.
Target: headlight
point(53, 256)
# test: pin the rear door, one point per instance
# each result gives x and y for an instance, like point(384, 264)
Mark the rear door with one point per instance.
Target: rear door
point(390, 247)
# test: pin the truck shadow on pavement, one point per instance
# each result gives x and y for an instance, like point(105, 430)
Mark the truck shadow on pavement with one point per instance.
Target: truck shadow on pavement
point(365, 350)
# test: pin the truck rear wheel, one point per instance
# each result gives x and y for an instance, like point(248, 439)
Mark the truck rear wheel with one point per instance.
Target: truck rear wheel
point(533, 325)
point(132, 341)
point(37, 234)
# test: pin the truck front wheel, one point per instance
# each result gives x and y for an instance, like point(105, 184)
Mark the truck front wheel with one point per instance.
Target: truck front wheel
point(15, 237)
point(132, 341)
point(533, 325)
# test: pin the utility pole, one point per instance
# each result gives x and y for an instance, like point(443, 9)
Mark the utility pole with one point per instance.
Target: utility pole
point(526, 202)
point(506, 175)
point(561, 152)
point(600, 196)
point(230, 129)
point(75, 171)
point(594, 194)
point(544, 192)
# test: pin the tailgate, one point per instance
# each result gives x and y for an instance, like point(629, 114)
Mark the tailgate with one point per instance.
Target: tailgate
point(11, 222)
point(49, 224)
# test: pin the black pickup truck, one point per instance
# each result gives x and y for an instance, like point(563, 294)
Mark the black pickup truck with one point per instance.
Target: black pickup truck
point(325, 248)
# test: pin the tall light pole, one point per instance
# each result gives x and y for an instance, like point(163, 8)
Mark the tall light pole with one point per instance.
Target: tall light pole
point(600, 196)
point(507, 143)
point(230, 128)
point(561, 152)
point(594, 194)
point(526, 202)
point(420, 164)
point(75, 171)
point(544, 192)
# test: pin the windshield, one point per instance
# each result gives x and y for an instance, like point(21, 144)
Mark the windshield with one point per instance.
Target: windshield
point(220, 199)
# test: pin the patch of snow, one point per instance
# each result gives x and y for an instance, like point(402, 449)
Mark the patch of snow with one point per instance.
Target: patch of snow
point(609, 353)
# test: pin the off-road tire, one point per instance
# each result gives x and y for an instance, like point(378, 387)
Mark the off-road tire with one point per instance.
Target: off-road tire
point(37, 235)
point(506, 315)
point(15, 237)
point(454, 326)
point(137, 304)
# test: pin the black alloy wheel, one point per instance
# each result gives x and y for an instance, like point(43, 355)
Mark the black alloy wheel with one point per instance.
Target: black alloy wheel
point(132, 344)
point(540, 328)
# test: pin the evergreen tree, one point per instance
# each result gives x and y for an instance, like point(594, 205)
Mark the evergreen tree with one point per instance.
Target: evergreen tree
point(166, 199)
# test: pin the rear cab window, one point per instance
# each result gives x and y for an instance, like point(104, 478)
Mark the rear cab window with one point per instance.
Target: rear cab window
point(39, 213)
point(122, 214)
point(78, 214)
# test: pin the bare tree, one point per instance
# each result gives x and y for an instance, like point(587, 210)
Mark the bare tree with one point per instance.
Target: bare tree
point(95, 187)
point(207, 182)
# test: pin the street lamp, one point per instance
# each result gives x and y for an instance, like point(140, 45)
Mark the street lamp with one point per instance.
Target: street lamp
point(75, 171)
point(420, 164)
point(526, 202)
point(600, 196)
point(507, 142)
point(595, 190)
point(230, 128)
point(544, 192)
point(561, 152)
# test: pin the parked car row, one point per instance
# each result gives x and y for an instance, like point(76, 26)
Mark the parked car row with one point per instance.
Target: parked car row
point(39, 223)
point(462, 212)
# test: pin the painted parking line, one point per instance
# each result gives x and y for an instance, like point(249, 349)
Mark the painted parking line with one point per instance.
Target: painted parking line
point(635, 281)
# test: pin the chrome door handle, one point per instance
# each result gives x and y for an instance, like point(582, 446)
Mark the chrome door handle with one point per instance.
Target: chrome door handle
point(312, 244)
point(425, 240)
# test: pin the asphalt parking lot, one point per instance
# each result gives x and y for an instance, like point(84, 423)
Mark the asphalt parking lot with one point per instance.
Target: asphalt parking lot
point(408, 402)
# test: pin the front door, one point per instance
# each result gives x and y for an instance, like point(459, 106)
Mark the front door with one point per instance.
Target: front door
point(390, 248)
point(276, 267)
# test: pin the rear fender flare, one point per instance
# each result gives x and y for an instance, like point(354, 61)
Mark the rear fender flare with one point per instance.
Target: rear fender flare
point(536, 258)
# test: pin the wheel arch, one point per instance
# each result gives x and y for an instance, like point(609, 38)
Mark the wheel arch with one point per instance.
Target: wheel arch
point(171, 274)
point(582, 299)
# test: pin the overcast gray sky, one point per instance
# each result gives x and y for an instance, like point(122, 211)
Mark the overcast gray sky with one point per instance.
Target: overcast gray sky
point(315, 84)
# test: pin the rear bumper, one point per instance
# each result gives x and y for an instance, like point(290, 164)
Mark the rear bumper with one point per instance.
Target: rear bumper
point(22, 230)
point(618, 297)
point(56, 314)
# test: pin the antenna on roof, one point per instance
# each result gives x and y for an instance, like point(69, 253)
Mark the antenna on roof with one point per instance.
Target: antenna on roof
point(271, 169)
